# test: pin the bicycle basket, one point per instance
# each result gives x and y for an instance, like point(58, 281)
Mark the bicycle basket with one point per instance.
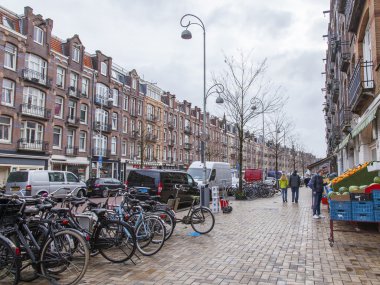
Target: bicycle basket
point(9, 211)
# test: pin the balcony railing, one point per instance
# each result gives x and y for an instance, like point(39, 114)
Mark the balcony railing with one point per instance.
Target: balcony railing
point(344, 55)
point(361, 84)
point(101, 101)
point(71, 151)
point(345, 117)
point(151, 117)
point(35, 77)
point(32, 145)
point(150, 138)
point(187, 146)
point(98, 151)
point(35, 111)
point(353, 14)
point(133, 113)
point(73, 121)
point(73, 93)
point(170, 125)
point(134, 135)
point(101, 126)
point(187, 130)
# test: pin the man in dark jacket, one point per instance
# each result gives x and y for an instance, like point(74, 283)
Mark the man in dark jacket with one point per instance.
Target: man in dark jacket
point(294, 183)
point(316, 184)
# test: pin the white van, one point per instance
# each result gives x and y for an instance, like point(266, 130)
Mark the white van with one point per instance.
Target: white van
point(217, 174)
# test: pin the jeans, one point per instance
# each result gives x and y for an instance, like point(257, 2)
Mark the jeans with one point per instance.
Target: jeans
point(295, 193)
point(284, 192)
point(317, 198)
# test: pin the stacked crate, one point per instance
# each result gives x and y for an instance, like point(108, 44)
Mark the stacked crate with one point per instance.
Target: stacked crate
point(376, 204)
point(215, 206)
point(340, 210)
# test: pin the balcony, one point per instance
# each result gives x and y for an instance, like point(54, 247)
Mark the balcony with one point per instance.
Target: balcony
point(151, 138)
point(72, 93)
point(35, 111)
point(170, 143)
point(345, 117)
point(170, 125)
point(35, 77)
point(102, 102)
point(32, 145)
point(151, 118)
point(102, 127)
point(98, 151)
point(134, 135)
point(344, 56)
point(133, 113)
point(353, 12)
point(187, 130)
point(71, 151)
point(335, 91)
point(361, 87)
point(72, 121)
point(187, 146)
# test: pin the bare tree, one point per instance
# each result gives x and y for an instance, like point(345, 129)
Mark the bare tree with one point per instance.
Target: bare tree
point(244, 87)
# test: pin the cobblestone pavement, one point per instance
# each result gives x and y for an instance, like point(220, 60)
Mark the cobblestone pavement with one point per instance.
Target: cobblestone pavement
point(261, 242)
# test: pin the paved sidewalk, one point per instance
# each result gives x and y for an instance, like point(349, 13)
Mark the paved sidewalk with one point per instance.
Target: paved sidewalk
point(260, 242)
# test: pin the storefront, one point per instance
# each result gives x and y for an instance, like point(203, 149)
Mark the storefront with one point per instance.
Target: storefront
point(77, 165)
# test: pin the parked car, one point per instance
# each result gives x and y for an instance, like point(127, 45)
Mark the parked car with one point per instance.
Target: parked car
point(270, 181)
point(103, 186)
point(159, 184)
point(39, 182)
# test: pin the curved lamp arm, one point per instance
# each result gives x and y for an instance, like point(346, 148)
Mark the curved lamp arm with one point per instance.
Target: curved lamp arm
point(192, 23)
point(218, 88)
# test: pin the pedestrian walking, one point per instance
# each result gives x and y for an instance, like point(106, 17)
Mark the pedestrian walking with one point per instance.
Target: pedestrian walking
point(284, 188)
point(317, 184)
point(294, 183)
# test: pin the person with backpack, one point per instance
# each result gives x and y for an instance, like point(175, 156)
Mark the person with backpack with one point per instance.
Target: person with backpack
point(317, 185)
point(295, 183)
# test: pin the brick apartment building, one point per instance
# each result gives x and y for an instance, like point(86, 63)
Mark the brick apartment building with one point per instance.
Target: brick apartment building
point(63, 108)
point(352, 83)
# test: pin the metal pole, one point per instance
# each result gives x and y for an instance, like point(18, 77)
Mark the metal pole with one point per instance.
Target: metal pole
point(204, 112)
point(262, 105)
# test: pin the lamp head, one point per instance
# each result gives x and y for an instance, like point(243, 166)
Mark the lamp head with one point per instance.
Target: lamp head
point(219, 100)
point(186, 35)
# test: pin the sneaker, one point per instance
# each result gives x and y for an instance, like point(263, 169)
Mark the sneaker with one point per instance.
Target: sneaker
point(315, 217)
point(321, 216)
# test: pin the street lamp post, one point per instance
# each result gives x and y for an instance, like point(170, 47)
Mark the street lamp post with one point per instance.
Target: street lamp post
point(186, 34)
point(263, 126)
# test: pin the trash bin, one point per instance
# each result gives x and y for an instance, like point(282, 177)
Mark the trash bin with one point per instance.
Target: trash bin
point(205, 197)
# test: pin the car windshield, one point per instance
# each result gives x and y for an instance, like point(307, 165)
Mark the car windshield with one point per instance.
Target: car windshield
point(18, 177)
point(197, 173)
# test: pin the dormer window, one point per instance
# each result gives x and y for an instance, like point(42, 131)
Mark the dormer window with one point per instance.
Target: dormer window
point(103, 68)
point(8, 23)
point(76, 54)
point(134, 83)
point(38, 35)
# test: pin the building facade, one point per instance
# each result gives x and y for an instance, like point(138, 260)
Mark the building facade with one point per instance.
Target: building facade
point(64, 108)
point(352, 83)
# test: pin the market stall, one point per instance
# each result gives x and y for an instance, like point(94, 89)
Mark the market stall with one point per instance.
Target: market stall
point(354, 196)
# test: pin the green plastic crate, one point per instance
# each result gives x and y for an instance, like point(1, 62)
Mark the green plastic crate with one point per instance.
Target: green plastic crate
point(362, 177)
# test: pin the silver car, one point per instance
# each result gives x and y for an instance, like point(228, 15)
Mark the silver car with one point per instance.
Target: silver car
point(39, 182)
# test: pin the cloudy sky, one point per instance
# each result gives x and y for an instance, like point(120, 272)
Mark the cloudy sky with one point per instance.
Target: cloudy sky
point(145, 35)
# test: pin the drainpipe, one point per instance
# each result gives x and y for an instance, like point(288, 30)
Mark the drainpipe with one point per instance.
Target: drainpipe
point(92, 120)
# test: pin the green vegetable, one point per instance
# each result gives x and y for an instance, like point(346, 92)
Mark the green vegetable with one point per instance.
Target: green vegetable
point(343, 189)
point(353, 188)
point(376, 179)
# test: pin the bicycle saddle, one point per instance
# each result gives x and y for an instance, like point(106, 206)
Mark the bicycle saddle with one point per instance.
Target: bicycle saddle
point(93, 204)
point(151, 202)
point(78, 202)
point(99, 212)
point(31, 211)
point(60, 210)
point(44, 207)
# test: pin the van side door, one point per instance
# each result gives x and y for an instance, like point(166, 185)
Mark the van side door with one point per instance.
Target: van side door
point(72, 182)
point(58, 184)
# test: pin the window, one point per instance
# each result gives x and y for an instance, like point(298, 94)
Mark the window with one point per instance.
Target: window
point(85, 86)
point(73, 82)
point(36, 68)
point(101, 116)
point(58, 109)
point(5, 129)
point(102, 93)
point(56, 177)
point(114, 121)
point(125, 103)
point(133, 106)
point(82, 141)
point(34, 102)
point(164, 135)
point(115, 97)
point(134, 83)
point(83, 113)
point(60, 77)
point(76, 54)
point(70, 139)
point(38, 35)
point(8, 23)
point(100, 144)
point(125, 125)
point(57, 137)
point(10, 56)
point(32, 134)
point(113, 145)
point(124, 147)
point(139, 108)
point(103, 68)
point(71, 177)
point(8, 93)
point(72, 109)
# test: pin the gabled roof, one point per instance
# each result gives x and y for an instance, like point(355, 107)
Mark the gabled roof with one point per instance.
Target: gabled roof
point(56, 44)
point(87, 60)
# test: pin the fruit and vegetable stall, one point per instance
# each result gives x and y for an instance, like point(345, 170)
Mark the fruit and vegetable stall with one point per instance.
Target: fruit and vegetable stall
point(354, 196)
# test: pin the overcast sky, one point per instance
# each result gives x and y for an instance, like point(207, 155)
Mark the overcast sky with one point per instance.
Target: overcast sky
point(145, 35)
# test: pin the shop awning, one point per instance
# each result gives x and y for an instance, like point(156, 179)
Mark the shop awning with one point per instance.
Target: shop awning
point(70, 162)
point(366, 120)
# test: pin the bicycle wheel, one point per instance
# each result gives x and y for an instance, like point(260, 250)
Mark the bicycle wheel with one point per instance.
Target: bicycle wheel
point(9, 262)
point(202, 220)
point(115, 241)
point(66, 252)
point(150, 235)
point(169, 222)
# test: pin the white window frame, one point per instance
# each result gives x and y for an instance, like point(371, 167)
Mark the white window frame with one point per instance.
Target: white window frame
point(82, 141)
point(124, 147)
point(10, 56)
point(139, 107)
point(103, 68)
point(61, 73)
point(70, 143)
point(85, 110)
point(85, 86)
point(125, 102)
point(113, 145)
point(125, 125)
point(76, 54)
point(36, 64)
point(115, 97)
point(60, 116)
point(134, 83)
point(6, 127)
point(59, 146)
point(38, 35)
point(114, 120)
point(74, 81)
point(8, 93)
